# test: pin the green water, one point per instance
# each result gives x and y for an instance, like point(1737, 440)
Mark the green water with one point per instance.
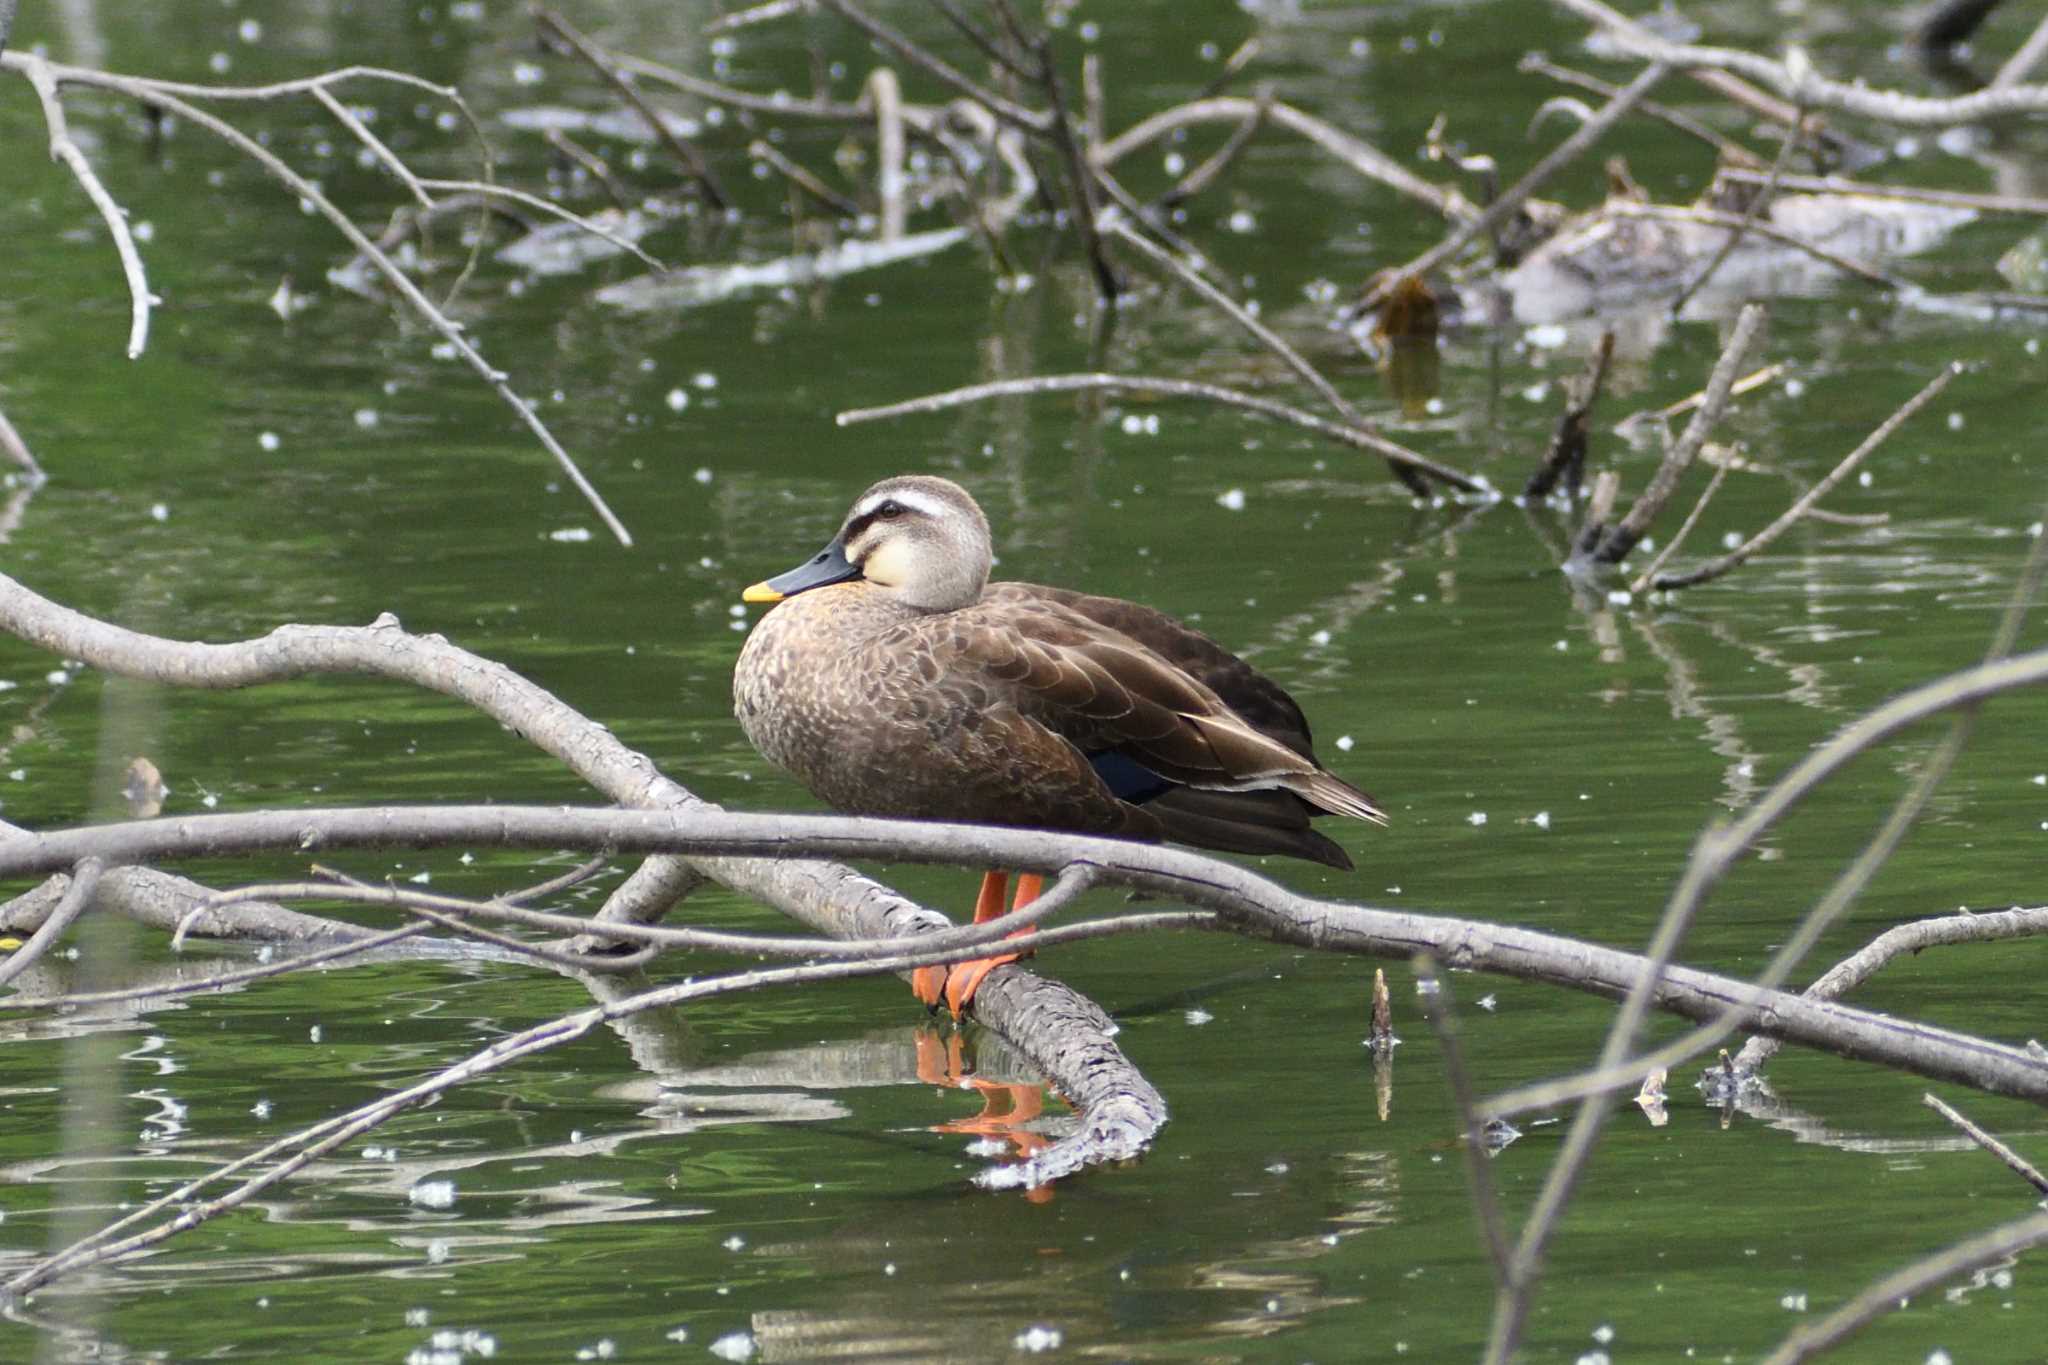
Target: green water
point(768, 1164)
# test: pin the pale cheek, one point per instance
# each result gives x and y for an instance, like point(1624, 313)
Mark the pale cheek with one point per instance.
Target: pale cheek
point(886, 566)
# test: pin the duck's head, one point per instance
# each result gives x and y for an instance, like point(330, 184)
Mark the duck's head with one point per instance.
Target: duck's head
point(920, 539)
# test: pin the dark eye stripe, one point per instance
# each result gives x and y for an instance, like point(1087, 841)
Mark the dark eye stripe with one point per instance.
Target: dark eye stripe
point(861, 523)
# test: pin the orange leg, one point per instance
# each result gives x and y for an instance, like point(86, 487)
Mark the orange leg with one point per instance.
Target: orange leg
point(929, 983)
point(966, 977)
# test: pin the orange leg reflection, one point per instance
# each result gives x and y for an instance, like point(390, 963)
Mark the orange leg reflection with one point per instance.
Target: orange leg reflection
point(1005, 1108)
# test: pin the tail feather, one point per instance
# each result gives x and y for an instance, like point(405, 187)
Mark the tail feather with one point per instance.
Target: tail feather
point(1328, 792)
point(1269, 821)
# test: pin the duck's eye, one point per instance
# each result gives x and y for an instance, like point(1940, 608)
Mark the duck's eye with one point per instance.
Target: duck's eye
point(889, 511)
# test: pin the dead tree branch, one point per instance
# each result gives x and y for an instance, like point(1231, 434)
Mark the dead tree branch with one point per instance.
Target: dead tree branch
point(1565, 460)
point(178, 98)
point(1895, 1290)
point(1805, 502)
point(1497, 213)
point(1616, 543)
point(2020, 1166)
point(1359, 438)
point(1904, 940)
point(1247, 902)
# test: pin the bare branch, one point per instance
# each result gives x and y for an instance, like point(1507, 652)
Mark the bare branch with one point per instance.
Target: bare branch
point(492, 190)
point(42, 78)
point(2029, 56)
point(1566, 457)
point(802, 177)
point(1910, 194)
point(1247, 902)
point(1903, 940)
point(1895, 1290)
point(1031, 120)
point(687, 156)
point(1762, 539)
point(2025, 1169)
point(1437, 1004)
point(1727, 149)
point(84, 880)
point(16, 449)
point(1360, 156)
point(1205, 175)
point(1511, 200)
point(1759, 204)
point(168, 95)
point(1616, 544)
point(1798, 82)
point(1266, 336)
point(1725, 84)
point(1356, 437)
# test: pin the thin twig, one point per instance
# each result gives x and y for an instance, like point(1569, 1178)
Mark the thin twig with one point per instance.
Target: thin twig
point(1362, 157)
point(591, 162)
point(687, 156)
point(732, 97)
point(85, 879)
point(2029, 56)
point(1723, 83)
point(1357, 437)
point(1080, 181)
point(1566, 457)
point(804, 179)
point(1204, 175)
point(201, 985)
point(383, 155)
point(1729, 150)
point(1672, 213)
point(2025, 1169)
point(1511, 200)
point(1685, 528)
point(42, 78)
point(1241, 57)
point(1759, 204)
point(1762, 539)
point(16, 449)
point(170, 96)
point(1894, 1291)
point(989, 47)
point(754, 14)
point(1798, 82)
point(1031, 120)
point(492, 190)
point(1069, 885)
point(1438, 1006)
point(1910, 194)
point(1266, 337)
point(1616, 544)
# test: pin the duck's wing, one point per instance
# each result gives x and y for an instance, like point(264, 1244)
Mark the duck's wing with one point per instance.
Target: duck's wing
point(1254, 697)
point(1107, 694)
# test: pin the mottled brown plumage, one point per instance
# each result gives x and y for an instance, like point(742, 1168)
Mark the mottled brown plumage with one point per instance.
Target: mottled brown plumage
point(893, 679)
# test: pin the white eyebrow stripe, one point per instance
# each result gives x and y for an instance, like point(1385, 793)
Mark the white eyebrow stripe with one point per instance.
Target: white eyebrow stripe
point(915, 501)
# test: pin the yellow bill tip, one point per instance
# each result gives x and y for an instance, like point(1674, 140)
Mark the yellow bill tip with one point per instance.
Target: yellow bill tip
point(760, 592)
